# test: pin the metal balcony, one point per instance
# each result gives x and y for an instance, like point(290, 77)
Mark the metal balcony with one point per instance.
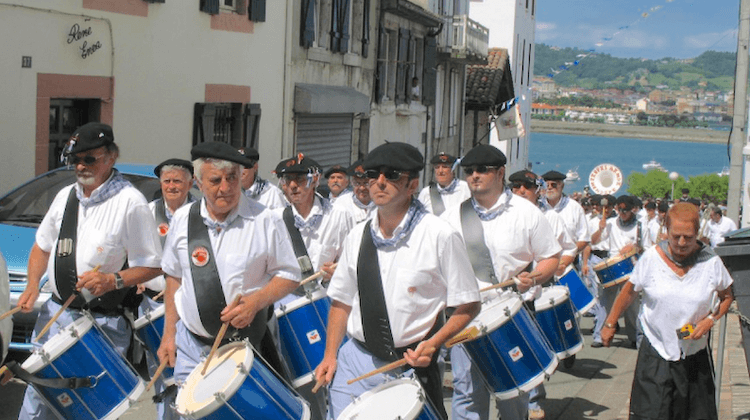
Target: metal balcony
point(463, 39)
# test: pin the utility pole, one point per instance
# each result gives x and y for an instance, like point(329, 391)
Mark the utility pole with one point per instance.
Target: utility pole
point(739, 150)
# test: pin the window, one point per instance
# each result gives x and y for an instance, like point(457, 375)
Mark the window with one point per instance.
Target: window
point(523, 61)
point(256, 10)
point(233, 123)
point(334, 24)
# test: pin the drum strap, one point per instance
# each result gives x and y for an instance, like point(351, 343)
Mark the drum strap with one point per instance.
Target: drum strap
point(160, 215)
point(60, 383)
point(438, 207)
point(375, 322)
point(298, 244)
point(479, 254)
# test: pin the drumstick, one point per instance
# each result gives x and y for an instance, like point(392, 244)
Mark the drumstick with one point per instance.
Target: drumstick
point(62, 309)
point(158, 372)
point(465, 335)
point(10, 312)
point(390, 366)
point(158, 295)
point(5, 375)
point(317, 275)
point(219, 337)
point(508, 282)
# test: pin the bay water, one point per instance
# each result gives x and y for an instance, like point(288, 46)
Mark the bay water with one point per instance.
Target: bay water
point(561, 152)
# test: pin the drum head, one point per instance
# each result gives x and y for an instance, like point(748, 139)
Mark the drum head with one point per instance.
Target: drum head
point(59, 343)
point(496, 312)
point(198, 396)
point(317, 294)
point(398, 399)
point(551, 297)
point(148, 317)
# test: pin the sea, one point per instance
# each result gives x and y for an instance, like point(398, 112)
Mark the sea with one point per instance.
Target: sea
point(562, 152)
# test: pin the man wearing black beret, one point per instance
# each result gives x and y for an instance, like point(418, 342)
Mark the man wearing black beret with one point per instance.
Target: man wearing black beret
point(515, 233)
point(447, 190)
point(358, 204)
point(91, 231)
point(228, 235)
point(257, 188)
point(397, 273)
point(338, 182)
point(569, 210)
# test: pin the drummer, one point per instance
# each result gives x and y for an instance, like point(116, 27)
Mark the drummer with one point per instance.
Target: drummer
point(338, 182)
point(359, 205)
point(224, 233)
point(517, 234)
point(596, 252)
point(447, 190)
point(569, 210)
point(93, 228)
point(175, 179)
point(256, 187)
point(674, 374)
point(396, 275)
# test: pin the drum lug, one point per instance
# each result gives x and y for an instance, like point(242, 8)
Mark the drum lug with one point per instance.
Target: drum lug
point(242, 369)
point(507, 312)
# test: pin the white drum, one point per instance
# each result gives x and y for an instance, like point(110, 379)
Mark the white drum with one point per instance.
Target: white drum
point(403, 399)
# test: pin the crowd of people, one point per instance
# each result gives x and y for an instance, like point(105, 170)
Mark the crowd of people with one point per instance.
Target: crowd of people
point(405, 270)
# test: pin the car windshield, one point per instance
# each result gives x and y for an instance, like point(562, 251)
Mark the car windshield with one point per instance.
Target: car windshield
point(29, 203)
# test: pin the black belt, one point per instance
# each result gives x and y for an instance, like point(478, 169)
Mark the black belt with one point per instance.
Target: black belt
point(600, 253)
point(118, 311)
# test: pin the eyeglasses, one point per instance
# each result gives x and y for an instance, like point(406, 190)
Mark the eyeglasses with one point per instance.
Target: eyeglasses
point(299, 179)
point(527, 185)
point(480, 169)
point(623, 210)
point(389, 174)
point(553, 184)
point(359, 181)
point(87, 160)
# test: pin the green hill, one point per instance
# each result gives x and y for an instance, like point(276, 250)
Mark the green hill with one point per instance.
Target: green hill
point(597, 71)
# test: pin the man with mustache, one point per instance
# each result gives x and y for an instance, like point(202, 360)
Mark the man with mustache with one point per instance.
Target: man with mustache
point(257, 188)
point(338, 182)
point(447, 190)
point(359, 204)
point(93, 229)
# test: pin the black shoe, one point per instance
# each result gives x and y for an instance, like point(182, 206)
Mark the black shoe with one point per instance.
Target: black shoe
point(597, 345)
point(568, 362)
point(617, 328)
point(632, 345)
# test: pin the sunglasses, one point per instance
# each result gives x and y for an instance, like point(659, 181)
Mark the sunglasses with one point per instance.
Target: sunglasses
point(527, 185)
point(622, 210)
point(480, 169)
point(389, 174)
point(87, 160)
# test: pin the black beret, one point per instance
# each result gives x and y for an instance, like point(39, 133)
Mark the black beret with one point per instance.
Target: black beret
point(637, 201)
point(174, 162)
point(218, 150)
point(663, 207)
point(443, 158)
point(650, 205)
point(89, 136)
point(627, 200)
point(595, 199)
point(397, 156)
point(522, 176)
point(250, 153)
point(356, 169)
point(694, 201)
point(611, 199)
point(553, 176)
point(335, 169)
point(585, 201)
point(484, 154)
point(686, 191)
point(300, 164)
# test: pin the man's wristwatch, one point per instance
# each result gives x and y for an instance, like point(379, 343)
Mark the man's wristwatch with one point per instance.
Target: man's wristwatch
point(119, 282)
point(608, 325)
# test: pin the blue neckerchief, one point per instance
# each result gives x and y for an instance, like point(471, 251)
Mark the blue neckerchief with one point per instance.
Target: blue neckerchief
point(449, 189)
point(102, 193)
point(703, 254)
point(627, 224)
point(257, 188)
point(219, 226)
point(415, 213)
point(545, 205)
point(360, 204)
point(315, 219)
point(487, 215)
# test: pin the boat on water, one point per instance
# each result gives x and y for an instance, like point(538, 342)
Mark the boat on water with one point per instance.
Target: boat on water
point(572, 176)
point(652, 164)
point(724, 171)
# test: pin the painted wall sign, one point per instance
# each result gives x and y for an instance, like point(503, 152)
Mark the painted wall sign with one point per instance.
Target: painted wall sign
point(78, 34)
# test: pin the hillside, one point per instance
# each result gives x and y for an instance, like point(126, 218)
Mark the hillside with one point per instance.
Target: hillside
point(598, 71)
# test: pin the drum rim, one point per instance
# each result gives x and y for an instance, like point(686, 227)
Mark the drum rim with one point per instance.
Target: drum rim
point(531, 383)
point(316, 295)
point(486, 328)
point(541, 303)
point(230, 387)
point(148, 317)
point(614, 260)
point(63, 339)
point(413, 411)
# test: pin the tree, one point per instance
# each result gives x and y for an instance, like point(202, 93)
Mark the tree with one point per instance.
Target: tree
point(657, 184)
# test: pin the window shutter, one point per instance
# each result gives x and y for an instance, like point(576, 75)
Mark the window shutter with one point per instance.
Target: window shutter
point(365, 28)
point(344, 25)
point(336, 25)
point(307, 24)
point(401, 66)
point(210, 6)
point(154, 1)
point(429, 78)
point(382, 64)
point(257, 10)
point(252, 125)
point(203, 123)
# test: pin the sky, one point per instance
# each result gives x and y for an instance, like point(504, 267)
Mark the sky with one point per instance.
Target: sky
point(639, 28)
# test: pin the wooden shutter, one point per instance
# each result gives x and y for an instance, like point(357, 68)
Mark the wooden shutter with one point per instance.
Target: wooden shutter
point(307, 24)
point(429, 78)
point(155, 1)
point(401, 65)
point(256, 10)
point(210, 6)
point(252, 124)
point(380, 78)
point(344, 25)
point(365, 28)
point(203, 123)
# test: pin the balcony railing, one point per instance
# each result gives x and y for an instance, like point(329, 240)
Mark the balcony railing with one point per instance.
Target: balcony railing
point(464, 38)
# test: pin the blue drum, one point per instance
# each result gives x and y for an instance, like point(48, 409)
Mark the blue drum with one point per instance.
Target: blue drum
point(582, 299)
point(616, 270)
point(81, 350)
point(238, 385)
point(302, 333)
point(510, 351)
point(556, 318)
point(149, 328)
point(402, 398)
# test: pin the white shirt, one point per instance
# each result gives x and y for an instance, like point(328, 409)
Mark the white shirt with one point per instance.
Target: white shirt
point(569, 248)
point(324, 241)
point(458, 196)
point(669, 301)
point(271, 196)
point(109, 233)
point(575, 219)
point(603, 244)
point(359, 214)
point(421, 276)
point(158, 283)
point(253, 248)
point(342, 194)
point(621, 236)
point(519, 235)
point(716, 231)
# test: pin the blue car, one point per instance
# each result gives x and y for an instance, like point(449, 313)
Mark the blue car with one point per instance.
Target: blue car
point(21, 212)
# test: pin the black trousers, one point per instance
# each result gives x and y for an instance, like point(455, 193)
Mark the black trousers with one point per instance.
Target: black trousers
point(672, 390)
